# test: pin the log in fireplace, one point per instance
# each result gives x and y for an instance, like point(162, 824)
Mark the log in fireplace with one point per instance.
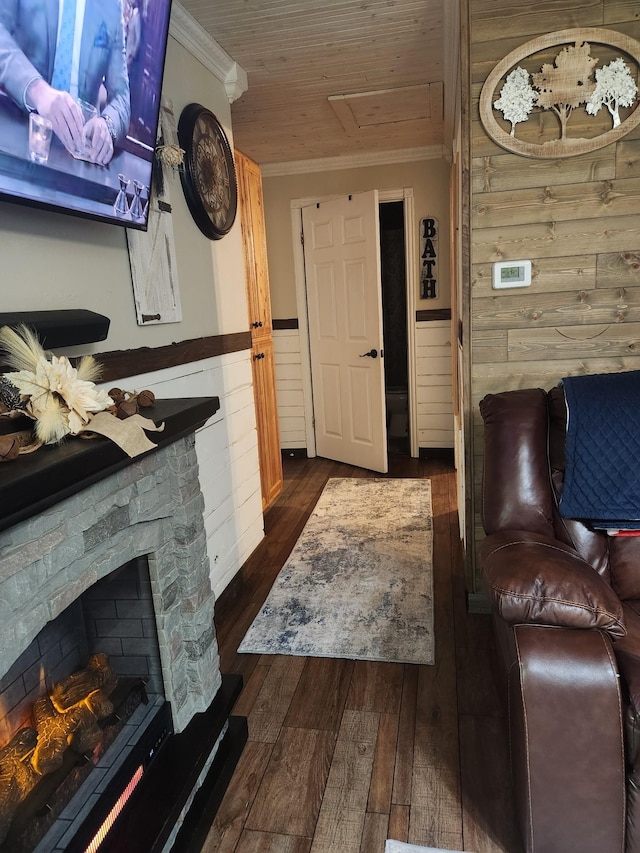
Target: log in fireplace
point(104, 590)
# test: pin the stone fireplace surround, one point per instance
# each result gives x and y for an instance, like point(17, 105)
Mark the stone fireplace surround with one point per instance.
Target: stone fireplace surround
point(76, 513)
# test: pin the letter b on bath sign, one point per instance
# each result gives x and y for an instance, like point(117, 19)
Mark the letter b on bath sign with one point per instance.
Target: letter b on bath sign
point(428, 258)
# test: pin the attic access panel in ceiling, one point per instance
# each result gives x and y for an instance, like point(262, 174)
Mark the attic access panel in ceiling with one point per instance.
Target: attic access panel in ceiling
point(408, 107)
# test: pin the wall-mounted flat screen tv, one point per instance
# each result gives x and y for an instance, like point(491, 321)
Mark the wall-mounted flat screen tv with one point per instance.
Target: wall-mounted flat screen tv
point(80, 90)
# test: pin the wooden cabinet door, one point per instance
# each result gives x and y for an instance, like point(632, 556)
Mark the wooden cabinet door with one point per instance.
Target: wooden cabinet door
point(267, 421)
point(254, 241)
point(252, 221)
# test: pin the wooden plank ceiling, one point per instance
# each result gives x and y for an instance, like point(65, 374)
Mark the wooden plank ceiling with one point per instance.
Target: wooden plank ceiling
point(336, 78)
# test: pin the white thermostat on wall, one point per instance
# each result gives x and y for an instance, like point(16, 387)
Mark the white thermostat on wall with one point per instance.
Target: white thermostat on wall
point(511, 274)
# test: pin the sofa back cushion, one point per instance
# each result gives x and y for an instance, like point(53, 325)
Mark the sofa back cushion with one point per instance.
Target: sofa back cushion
point(516, 492)
point(624, 559)
point(524, 465)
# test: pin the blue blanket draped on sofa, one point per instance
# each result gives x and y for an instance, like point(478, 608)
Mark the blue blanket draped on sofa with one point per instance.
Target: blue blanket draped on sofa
point(602, 475)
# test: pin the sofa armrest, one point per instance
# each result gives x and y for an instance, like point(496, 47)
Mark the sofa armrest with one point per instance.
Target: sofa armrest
point(538, 580)
point(566, 733)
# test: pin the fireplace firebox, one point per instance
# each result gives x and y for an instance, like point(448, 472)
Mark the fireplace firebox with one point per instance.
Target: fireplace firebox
point(107, 611)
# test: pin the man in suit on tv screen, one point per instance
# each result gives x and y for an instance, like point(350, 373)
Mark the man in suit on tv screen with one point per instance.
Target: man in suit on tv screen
point(54, 52)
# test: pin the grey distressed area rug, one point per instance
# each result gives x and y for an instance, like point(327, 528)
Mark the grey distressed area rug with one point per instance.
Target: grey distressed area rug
point(358, 583)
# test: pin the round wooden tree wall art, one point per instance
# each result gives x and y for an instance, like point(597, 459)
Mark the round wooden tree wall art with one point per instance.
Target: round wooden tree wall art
point(563, 94)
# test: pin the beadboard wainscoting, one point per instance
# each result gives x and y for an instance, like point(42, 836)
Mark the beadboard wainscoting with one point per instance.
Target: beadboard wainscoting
point(433, 386)
point(433, 380)
point(227, 452)
point(289, 391)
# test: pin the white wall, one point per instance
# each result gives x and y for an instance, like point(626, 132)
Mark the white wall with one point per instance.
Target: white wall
point(433, 381)
point(51, 260)
point(227, 455)
point(289, 393)
point(433, 386)
point(429, 180)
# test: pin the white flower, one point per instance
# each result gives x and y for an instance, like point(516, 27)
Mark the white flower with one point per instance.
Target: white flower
point(59, 401)
point(170, 155)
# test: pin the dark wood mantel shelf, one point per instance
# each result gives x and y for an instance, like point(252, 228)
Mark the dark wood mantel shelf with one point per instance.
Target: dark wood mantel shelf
point(34, 482)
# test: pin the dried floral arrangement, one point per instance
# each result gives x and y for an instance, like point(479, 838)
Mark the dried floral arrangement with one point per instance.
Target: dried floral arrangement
point(170, 155)
point(63, 400)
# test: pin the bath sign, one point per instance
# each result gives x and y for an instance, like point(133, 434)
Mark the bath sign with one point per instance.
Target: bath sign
point(428, 258)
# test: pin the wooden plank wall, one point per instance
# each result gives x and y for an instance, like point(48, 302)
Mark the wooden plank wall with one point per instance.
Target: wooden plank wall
point(577, 220)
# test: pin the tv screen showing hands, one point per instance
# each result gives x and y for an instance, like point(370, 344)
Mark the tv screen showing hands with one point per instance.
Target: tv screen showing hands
point(80, 88)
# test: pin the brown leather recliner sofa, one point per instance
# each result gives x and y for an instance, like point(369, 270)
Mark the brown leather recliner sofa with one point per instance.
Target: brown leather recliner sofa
point(566, 609)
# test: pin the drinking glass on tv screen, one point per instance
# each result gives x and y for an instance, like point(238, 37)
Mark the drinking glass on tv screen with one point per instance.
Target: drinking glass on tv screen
point(92, 70)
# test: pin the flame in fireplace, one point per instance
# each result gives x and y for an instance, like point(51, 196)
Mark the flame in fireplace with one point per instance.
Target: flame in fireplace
point(43, 680)
point(12, 719)
point(66, 716)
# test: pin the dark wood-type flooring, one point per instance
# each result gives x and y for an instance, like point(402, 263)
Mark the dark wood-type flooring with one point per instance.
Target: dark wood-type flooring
point(344, 754)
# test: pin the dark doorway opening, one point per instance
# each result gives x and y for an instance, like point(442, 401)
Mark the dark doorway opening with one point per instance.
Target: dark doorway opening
point(394, 311)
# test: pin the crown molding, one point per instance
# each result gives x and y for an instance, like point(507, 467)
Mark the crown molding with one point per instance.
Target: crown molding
point(194, 38)
point(354, 161)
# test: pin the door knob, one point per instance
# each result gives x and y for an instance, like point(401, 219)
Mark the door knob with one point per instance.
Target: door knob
point(371, 354)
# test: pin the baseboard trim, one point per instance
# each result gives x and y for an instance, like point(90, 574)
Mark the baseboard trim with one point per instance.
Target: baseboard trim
point(445, 453)
point(294, 453)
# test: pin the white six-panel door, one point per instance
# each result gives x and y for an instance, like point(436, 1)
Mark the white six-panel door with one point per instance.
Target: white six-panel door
point(342, 265)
